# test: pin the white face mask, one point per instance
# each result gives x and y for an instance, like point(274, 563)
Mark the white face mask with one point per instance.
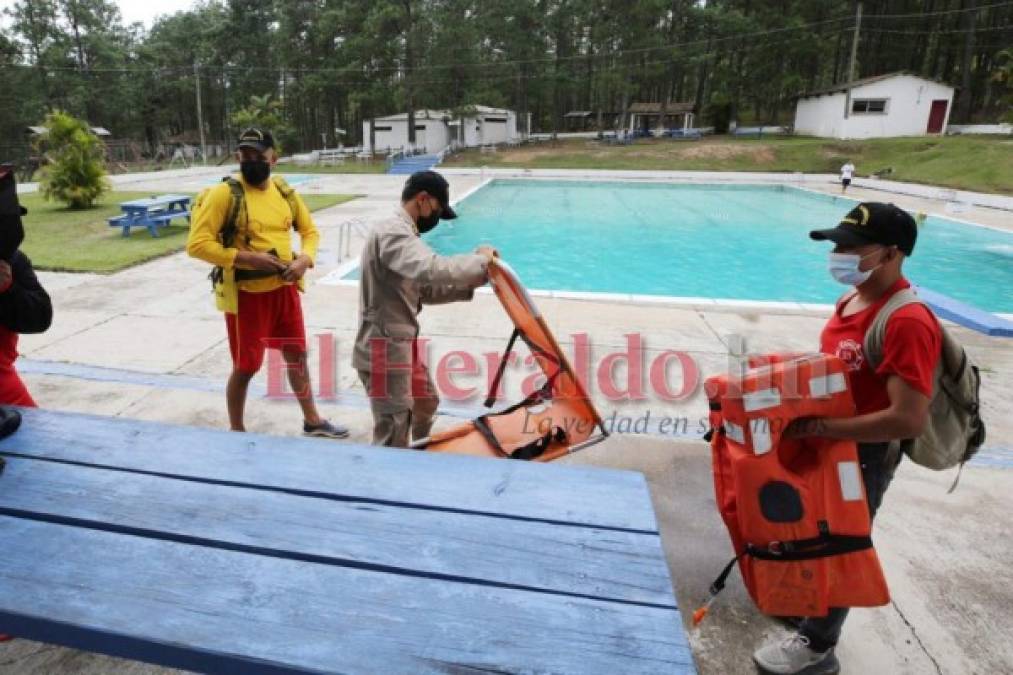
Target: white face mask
point(844, 268)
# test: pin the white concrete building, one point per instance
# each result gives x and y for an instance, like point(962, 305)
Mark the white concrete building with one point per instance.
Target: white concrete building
point(896, 104)
point(438, 129)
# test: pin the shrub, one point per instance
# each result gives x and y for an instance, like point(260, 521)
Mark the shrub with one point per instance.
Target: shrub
point(75, 163)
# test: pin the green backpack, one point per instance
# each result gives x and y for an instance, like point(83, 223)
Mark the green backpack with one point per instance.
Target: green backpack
point(955, 430)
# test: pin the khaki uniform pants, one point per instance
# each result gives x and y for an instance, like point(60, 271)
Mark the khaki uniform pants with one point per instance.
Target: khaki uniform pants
point(407, 405)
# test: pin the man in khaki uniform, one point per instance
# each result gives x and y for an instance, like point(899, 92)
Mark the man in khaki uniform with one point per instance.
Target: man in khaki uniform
point(400, 273)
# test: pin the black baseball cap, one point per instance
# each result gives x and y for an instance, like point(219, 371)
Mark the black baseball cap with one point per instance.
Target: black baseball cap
point(256, 139)
point(435, 185)
point(873, 223)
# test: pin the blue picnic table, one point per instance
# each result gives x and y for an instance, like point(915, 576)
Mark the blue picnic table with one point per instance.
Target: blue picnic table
point(221, 552)
point(151, 213)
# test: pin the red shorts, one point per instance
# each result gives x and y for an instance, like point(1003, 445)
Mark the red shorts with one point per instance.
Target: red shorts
point(265, 320)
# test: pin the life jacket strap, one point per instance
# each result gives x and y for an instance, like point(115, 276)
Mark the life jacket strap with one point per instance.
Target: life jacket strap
point(822, 546)
point(716, 587)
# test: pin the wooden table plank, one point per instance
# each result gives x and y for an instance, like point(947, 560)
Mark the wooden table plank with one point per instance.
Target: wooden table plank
point(598, 497)
point(565, 559)
point(203, 608)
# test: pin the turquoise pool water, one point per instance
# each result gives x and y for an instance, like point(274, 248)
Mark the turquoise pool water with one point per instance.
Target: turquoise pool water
point(292, 179)
point(720, 241)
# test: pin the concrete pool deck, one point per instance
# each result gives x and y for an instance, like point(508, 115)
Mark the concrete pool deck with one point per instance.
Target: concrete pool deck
point(147, 343)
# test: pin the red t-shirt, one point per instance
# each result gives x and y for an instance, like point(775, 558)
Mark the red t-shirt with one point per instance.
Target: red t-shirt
point(911, 349)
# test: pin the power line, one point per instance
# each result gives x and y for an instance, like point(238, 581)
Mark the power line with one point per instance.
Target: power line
point(550, 59)
point(584, 57)
point(270, 76)
point(956, 31)
point(942, 12)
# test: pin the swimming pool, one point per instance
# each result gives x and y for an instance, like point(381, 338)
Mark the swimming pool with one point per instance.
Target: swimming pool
point(292, 179)
point(739, 242)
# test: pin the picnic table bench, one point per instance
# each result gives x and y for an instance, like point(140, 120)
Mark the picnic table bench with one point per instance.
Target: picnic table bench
point(683, 134)
point(612, 138)
point(151, 213)
point(222, 552)
point(332, 157)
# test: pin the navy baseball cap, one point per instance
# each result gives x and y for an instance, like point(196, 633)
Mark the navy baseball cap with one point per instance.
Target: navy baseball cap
point(873, 223)
point(436, 185)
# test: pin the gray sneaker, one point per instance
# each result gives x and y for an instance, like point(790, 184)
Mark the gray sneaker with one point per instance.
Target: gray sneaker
point(324, 430)
point(792, 656)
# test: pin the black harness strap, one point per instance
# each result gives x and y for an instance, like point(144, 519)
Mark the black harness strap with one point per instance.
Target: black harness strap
point(249, 275)
point(535, 448)
point(538, 446)
point(822, 546)
point(483, 428)
point(719, 584)
point(529, 451)
point(491, 399)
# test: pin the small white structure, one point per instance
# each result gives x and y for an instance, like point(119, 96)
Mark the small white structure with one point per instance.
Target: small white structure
point(895, 104)
point(439, 129)
point(676, 115)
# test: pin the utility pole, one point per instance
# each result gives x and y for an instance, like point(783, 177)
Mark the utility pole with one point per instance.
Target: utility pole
point(854, 55)
point(200, 117)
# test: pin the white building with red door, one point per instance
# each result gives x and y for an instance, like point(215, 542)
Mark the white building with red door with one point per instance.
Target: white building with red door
point(895, 104)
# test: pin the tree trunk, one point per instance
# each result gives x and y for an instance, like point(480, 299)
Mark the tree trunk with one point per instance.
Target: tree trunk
point(409, 72)
point(965, 97)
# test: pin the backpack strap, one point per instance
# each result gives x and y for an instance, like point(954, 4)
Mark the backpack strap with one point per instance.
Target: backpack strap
point(875, 336)
point(288, 192)
point(846, 298)
point(236, 220)
point(236, 216)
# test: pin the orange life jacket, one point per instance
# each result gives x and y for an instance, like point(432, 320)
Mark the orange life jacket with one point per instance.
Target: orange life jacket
point(795, 508)
point(556, 420)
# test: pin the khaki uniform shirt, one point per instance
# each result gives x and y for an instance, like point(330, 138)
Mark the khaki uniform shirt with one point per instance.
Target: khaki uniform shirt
point(399, 274)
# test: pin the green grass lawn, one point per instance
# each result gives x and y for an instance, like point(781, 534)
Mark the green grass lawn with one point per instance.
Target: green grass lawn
point(982, 163)
point(350, 166)
point(59, 239)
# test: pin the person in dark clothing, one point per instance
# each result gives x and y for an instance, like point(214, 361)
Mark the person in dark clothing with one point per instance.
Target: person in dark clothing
point(25, 306)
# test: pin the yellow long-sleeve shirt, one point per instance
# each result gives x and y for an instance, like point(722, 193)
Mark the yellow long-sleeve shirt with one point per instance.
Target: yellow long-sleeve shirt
point(268, 226)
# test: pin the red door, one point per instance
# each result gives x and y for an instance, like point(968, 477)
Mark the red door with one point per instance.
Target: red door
point(936, 116)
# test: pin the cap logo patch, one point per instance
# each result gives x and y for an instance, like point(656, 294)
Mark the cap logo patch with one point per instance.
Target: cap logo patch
point(863, 210)
point(865, 214)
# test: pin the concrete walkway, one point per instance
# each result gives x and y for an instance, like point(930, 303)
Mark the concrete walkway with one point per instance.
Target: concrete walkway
point(147, 343)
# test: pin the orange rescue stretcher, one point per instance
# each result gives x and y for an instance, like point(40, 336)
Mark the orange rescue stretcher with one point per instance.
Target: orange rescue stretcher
point(556, 420)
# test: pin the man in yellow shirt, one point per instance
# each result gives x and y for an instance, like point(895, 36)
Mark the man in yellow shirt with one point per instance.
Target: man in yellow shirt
point(268, 313)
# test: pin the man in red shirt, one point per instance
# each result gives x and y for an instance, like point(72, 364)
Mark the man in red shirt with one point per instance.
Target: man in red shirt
point(892, 401)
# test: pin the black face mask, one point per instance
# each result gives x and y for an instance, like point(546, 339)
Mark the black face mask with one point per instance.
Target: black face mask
point(12, 232)
point(426, 223)
point(255, 171)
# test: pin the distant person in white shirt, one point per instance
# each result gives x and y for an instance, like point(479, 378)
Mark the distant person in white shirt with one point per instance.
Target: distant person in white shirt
point(847, 171)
